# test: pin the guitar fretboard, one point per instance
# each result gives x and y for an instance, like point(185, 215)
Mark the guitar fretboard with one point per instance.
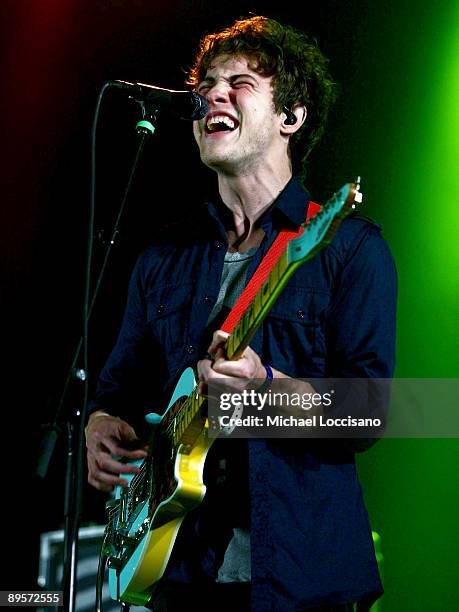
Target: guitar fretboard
point(253, 317)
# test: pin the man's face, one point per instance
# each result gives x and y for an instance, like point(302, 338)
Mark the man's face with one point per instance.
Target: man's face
point(241, 131)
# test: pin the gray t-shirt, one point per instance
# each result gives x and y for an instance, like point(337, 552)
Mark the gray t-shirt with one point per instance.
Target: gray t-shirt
point(232, 282)
point(236, 562)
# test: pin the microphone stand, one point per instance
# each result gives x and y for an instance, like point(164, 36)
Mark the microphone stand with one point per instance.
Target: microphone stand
point(75, 424)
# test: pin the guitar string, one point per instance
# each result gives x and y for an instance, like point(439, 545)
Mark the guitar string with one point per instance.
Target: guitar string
point(139, 479)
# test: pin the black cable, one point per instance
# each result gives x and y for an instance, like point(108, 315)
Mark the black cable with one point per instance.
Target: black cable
point(70, 563)
point(100, 579)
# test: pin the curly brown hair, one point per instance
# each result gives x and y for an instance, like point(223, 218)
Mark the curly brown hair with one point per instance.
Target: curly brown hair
point(298, 68)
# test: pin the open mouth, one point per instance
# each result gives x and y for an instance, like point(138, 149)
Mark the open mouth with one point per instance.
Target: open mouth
point(220, 123)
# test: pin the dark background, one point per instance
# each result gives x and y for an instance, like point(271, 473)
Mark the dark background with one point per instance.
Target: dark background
point(55, 57)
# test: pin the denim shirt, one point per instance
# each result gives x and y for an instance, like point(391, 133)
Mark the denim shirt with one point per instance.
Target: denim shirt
point(310, 535)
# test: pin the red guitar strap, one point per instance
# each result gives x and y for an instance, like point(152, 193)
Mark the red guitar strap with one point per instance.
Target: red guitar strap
point(262, 272)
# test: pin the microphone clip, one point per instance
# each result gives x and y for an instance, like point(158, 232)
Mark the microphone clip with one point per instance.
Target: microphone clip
point(150, 112)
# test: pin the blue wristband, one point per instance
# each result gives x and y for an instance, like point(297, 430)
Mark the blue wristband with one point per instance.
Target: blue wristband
point(268, 380)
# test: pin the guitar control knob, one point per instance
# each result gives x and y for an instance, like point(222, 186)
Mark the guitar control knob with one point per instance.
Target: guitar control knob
point(115, 563)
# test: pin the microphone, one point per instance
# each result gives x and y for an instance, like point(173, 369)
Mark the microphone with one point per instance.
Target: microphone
point(186, 104)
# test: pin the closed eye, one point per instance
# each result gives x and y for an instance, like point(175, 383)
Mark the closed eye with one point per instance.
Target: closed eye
point(242, 84)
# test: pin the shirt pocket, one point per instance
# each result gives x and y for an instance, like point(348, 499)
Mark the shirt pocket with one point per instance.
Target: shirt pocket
point(168, 316)
point(295, 330)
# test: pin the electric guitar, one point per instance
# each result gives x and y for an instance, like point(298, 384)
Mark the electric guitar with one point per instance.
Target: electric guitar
point(144, 518)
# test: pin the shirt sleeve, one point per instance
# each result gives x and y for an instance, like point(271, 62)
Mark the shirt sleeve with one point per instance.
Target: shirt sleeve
point(128, 378)
point(361, 324)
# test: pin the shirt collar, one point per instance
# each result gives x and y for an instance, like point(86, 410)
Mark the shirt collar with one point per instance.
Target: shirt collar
point(290, 204)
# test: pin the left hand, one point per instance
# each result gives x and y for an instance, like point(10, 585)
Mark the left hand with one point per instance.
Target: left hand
point(235, 374)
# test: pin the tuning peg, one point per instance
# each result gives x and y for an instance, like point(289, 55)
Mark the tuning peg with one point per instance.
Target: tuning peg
point(358, 195)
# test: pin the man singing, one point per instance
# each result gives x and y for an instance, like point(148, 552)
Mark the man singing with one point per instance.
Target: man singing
point(283, 525)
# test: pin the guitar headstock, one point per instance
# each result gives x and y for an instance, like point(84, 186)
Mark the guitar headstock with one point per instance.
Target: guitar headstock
point(321, 229)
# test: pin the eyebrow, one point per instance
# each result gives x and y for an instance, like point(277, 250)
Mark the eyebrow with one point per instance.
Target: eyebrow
point(210, 80)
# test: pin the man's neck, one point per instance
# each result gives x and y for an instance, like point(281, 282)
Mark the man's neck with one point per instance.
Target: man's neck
point(248, 197)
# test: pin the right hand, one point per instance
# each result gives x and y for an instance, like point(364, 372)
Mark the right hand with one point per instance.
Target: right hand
point(107, 435)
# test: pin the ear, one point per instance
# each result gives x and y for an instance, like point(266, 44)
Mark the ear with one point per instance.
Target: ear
point(288, 126)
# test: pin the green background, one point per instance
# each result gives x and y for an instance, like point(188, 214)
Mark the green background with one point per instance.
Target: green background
point(411, 86)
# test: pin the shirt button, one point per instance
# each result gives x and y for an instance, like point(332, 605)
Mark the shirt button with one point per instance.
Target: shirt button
point(301, 314)
point(190, 349)
point(161, 308)
point(207, 299)
point(218, 245)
